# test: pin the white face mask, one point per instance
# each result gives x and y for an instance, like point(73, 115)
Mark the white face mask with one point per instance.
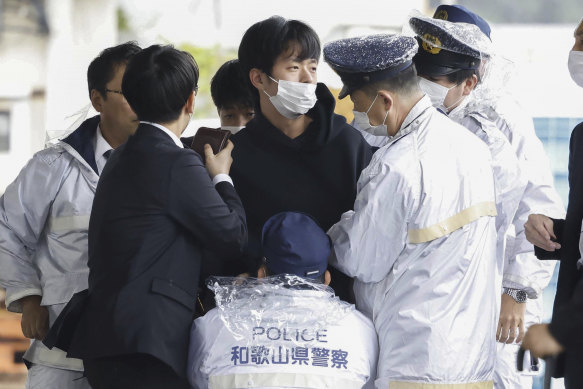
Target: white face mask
point(458, 112)
point(362, 122)
point(575, 65)
point(436, 92)
point(233, 129)
point(293, 99)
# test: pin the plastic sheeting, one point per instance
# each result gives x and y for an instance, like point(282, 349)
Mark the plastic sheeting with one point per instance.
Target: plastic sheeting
point(461, 38)
point(70, 124)
point(283, 307)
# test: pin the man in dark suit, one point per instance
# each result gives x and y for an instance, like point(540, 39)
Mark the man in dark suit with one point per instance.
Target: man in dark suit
point(155, 208)
point(562, 239)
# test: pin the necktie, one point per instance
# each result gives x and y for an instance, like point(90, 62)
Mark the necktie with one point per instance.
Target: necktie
point(107, 154)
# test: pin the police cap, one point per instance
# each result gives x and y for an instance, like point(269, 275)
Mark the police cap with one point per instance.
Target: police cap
point(362, 60)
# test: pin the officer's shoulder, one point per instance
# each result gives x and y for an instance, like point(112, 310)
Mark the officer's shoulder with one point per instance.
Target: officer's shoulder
point(52, 155)
point(448, 131)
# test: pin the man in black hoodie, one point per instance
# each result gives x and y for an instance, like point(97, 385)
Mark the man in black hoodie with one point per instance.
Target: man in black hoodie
point(296, 154)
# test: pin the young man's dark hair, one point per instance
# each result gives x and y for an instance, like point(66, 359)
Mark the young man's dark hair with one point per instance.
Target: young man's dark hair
point(102, 68)
point(172, 76)
point(229, 87)
point(266, 40)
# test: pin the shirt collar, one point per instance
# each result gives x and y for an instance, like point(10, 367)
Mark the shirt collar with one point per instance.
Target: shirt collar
point(412, 119)
point(101, 145)
point(167, 131)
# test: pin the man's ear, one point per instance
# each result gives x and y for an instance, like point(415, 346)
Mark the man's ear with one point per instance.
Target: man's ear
point(327, 278)
point(96, 100)
point(189, 106)
point(255, 75)
point(388, 100)
point(470, 84)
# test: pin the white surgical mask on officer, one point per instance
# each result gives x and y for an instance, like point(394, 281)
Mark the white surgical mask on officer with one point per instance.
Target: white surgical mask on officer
point(575, 65)
point(362, 122)
point(437, 93)
point(293, 99)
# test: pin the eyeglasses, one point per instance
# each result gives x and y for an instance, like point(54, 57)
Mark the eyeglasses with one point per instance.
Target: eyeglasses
point(114, 91)
point(196, 89)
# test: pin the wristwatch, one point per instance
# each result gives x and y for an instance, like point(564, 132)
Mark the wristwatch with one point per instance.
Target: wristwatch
point(518, 295)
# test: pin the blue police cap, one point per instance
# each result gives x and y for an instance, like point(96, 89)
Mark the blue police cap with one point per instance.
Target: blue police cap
point(446, 47)
point(362, 60)
point(293, 243)
point(459, 13)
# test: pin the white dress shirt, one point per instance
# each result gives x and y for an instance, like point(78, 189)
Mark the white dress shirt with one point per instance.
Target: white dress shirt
point(100, 146)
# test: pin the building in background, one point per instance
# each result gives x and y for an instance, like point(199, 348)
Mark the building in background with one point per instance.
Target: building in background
point(45, 48)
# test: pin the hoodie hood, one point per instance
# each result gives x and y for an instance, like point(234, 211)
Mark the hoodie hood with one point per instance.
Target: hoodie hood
point(325, 125)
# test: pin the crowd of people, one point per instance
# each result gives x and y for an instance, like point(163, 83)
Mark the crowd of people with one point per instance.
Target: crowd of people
point(407, 249)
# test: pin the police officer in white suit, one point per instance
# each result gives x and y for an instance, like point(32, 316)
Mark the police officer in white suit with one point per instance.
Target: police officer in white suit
point(421, 240)
point(488, 105)
point(285, 329)
point(44, 218)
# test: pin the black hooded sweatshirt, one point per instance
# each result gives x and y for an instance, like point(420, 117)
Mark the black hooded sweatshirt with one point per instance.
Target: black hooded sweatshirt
point(315, 173)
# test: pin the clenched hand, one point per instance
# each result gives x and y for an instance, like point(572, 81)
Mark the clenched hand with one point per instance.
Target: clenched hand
point(539, 232)
point(540, 342)
point(35, 318)
point(220, 163)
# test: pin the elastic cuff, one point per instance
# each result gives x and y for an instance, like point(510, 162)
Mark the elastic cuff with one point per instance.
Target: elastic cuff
point(221, 178)
point(12, 299)
point(516, 282)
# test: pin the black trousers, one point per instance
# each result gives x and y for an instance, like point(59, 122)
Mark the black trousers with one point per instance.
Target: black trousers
point(132, 371)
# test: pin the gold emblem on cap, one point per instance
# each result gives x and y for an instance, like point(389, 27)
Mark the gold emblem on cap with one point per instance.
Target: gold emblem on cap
point(442, 14)
point(434, 47)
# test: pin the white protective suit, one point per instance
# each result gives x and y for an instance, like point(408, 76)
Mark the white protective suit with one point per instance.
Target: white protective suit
point(421, 243)
point(44, 218)
point(264, 335)
point(522, 270)
point(509, 182)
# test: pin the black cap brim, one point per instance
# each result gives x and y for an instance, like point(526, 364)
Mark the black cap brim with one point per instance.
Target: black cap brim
point(343, 92)
point(446, 62)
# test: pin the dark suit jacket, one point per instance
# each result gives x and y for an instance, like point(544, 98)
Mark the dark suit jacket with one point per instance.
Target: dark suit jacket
point(567, 322)
point(154, 210)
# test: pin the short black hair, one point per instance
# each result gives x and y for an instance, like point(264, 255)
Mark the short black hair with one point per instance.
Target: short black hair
point(404, 83)
point(266, 40)
point(229, 86)
point(461, 75)
point(158, 82)
point(102, 69)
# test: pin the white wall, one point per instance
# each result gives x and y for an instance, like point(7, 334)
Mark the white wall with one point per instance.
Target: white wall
point(22, 67)
point(542, 82)
point(43, 78)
